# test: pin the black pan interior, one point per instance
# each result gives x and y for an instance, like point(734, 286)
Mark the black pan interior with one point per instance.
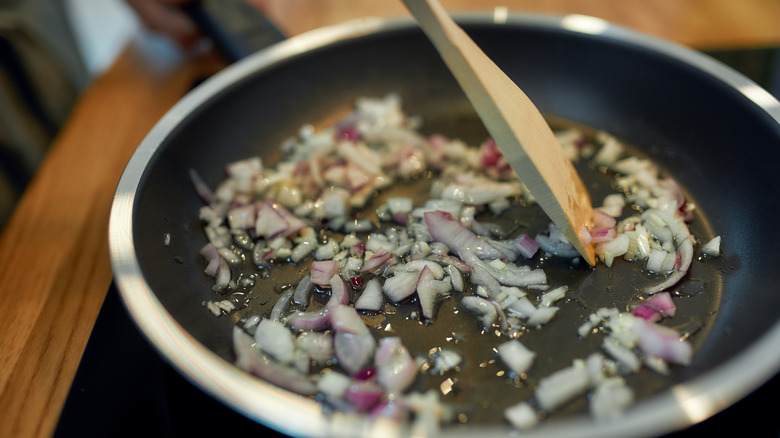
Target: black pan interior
point(720, 147)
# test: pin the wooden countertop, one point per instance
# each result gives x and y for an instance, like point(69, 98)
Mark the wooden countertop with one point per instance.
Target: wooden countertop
point(54, 261)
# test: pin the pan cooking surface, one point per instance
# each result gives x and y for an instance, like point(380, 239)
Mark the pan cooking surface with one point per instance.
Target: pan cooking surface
point(483, 387)
point(719, 145)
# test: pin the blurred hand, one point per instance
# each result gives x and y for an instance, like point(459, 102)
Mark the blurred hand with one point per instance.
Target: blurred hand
point(165, 17)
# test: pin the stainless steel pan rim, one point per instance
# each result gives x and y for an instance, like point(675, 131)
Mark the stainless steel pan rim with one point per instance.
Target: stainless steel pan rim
point(680, 406)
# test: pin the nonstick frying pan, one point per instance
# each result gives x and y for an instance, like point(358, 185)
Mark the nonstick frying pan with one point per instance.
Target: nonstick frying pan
point(712, 129)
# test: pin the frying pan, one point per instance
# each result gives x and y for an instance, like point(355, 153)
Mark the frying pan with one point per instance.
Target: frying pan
point(712, 129)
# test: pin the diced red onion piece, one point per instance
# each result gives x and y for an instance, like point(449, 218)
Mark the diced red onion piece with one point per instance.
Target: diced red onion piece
point(401, 285)
point(527, 246)
point(662, 342)
point(319, 346)
point(322, 271)
point(367, 373)
point(339, 292)
point(276, 340)
point(202, 189)
point(210, 253)
point(316, 320)
point(353, 351)
point(395, 367)
point(248, 358)
point(354, 344)
point(344, 319)
point(602, 235)
point(282, 305)
point(223, 275)
point(444, 228)
point(686, 256)
point(602, 220)
point(656, 307)
point(426, 293)
point(242, 217)
point(363, 395)
point(302, 290)
point(371, 297)
point(378, 261)
point(391, 410)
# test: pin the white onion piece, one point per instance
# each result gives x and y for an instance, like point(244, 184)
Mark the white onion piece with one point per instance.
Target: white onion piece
point(626, 358)
point(426, 292)
point(610, 398)
point(395, 367)
point(318, 346)
point(456, 278)
point(401, 285)
point(522, 307)
point(480, 272)
point(282, 305)
point(521, 416)
point(542, 316)
point(276, 340)
point(339, 294)
point(223, 275)
point(302, 290)
point(516, 356)
point(210, 253)
point(686, 256)
point(273, 220)
point(562, 386)
point(371, 297)
point(711, 248)
point(481, 307)
point(550, 297)
point(333, 384)
point(242, 217)
point(249, 359)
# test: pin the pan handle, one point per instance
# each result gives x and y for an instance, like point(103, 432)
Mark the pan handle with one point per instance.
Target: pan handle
point(236, 28)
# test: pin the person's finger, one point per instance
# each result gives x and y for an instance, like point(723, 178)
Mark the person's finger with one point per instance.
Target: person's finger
point(165, 17)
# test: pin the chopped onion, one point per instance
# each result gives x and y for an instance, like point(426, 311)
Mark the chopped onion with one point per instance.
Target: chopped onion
point(563, 385)
point(396, 370)
point(656, 307)
point(712, 248)
point(662, 342)
point(522, 416)
point(371, 297)
point(276, 340)
point(516, 356)
point(323, 271)
point(444, 228)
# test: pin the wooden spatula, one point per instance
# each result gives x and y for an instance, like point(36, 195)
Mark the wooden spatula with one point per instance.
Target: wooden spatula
point(515, 124)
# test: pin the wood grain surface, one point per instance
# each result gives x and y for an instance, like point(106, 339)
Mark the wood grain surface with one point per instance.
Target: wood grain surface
point(54, 265)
